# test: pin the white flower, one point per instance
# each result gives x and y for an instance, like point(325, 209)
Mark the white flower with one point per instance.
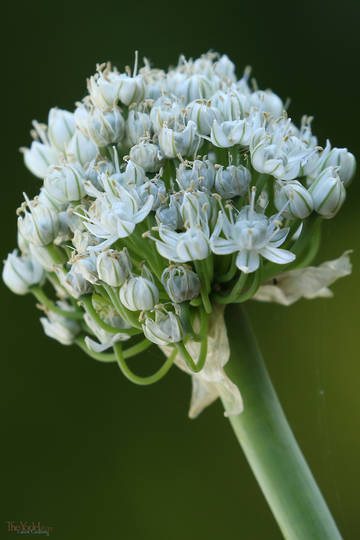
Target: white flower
point(40, 157)
point(180, 283)
point(200, 177)
point(138, 125)
point(61, 328)
point(165, 328)
point(115, 213)
point(85, 265)
point(147, 155)
point(310, 282)
point(105, 338)
point(251, 234)
point(73, 282)
point(106, 127)
point(65, 183)
point(61, 127)
point(344, 161)
point(184, 141)
point(300, 203)
point(232, 181)
point(165, 111)
point(113, 266)
point(131, 89)
point(202, 114)
point(279, 153)
point(40, 225)
point(20, 272)
point(81, 149)
point(328, 193)
point(139, 293)
point(104, 89)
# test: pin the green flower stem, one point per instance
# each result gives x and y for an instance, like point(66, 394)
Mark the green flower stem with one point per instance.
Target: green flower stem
point(87, 300)
point(127, 315)
point(203, 271)
point(230, 273)
point(204, 322)
point(57, 254)
point(268, 443)
point(236, 290)
point(137, 348)
point(101, 357)
point(143, 381)
point(50, 305)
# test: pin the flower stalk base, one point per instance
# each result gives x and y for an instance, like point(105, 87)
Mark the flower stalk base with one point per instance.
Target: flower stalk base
point(269, 444)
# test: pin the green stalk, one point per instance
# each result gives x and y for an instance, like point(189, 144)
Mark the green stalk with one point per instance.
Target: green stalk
point(269, 444)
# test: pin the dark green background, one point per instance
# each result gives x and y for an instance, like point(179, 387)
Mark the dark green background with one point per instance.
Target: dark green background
point(85, 451)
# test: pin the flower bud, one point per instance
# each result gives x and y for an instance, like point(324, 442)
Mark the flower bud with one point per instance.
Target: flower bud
point(267, 101)
point(61, 328)
point(300, 203)
point(42, 256)
point(138, 125)
point(83, 239)
point(200, 177)
point(65, 183)
point(170, 215)
point(85, 265)
point(81, 149)
point(229, 106)
point(232, 181)
point(139, 293)
point(345, 161)
point(106, 127)
point(114, 267)
point(147, 155)
point(202, 114)
point(134, 174)
point(95, 169)
point(61, 127)
point(195, 87)
point(39, 158)
point(103, 89)
point(73, 282)
point(156, 188)
point(41, 225)
point(81, 118)
point(165, 111)
point(165, 329)
point(21, 272)
point(328, 193)
point(183, 142)
point(225, 68)
point(180, 283)
point(131, 89)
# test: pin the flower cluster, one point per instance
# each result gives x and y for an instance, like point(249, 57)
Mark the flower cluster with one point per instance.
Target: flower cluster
point(166, 195)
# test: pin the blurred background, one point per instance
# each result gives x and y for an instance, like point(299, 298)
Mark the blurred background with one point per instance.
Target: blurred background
point(83, 450)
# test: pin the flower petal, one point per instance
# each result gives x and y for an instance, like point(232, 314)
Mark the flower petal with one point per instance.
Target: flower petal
point(310, 282)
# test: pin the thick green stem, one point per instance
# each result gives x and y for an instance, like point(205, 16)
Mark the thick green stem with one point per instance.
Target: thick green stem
point(269, 444)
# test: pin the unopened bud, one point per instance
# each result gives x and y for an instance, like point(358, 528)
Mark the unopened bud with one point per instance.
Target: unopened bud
point(328, 193)
point(65, 183)
point(106, 127)
point(61, 127)
point(147, 155)
point(61, 328)
point(180, 283)
point(113, 267)
point(41, 225)
point(21, 272)
point(300, 203)
point(139, 293)
point(39, 157)
point(232, 181)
